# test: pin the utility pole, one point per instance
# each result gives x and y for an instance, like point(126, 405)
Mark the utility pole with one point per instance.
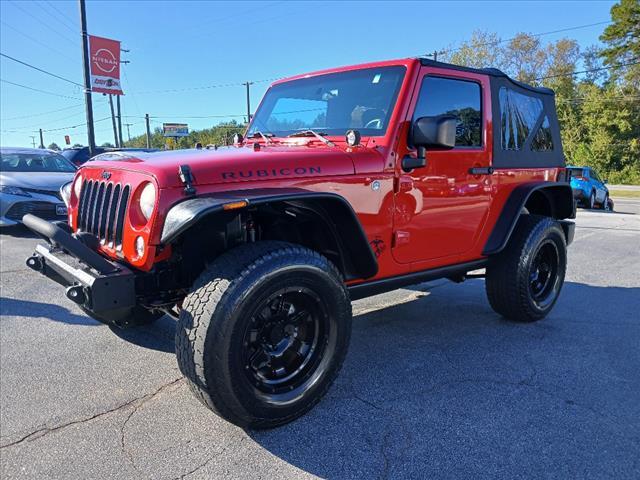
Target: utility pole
point(41, 140)
point(113, 121)
point(33, 140)
point(91, 138)
point(435, 55)
point(119, 121)
point(248, 102)
point(128, 132)
point(146, 119)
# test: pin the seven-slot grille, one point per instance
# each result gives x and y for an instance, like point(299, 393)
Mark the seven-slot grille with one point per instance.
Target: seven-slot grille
point(101, 210)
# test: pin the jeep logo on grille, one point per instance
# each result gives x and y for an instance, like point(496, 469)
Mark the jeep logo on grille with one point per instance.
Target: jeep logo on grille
point(106, 175)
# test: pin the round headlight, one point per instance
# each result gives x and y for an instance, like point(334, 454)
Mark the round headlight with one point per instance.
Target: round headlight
point(77, 186)
point(147, 200)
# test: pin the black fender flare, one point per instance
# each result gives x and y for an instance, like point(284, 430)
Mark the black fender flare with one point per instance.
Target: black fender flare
point(341, 219)
point(560, 196)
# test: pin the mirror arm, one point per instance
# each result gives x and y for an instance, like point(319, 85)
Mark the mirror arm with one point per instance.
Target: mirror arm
point(422, 153)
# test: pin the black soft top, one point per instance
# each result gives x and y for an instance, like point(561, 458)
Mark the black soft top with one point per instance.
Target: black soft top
point(525, 156)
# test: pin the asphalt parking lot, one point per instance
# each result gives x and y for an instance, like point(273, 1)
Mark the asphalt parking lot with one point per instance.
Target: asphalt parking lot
point(435, 385)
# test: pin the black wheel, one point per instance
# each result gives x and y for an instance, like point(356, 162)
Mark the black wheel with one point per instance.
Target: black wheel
point(592, 200)
point(264, 332)
point(606, 204)
point(523, 282)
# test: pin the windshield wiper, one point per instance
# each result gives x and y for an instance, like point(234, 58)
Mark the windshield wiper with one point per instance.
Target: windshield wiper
point(307, 132)
point(265, 136)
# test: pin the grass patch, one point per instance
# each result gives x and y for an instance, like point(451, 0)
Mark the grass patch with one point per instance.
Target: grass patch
point(624, 193)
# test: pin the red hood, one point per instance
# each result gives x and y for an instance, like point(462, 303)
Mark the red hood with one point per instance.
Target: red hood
point(234, 164)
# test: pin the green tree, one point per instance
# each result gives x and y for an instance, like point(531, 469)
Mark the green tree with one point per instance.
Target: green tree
point(77, 145)
point(525, 58)
point(53, 146)
point(622, 39)
point(107, 145)
point(481, 50)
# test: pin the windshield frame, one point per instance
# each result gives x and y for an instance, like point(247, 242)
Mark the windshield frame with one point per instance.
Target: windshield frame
point(395, 100)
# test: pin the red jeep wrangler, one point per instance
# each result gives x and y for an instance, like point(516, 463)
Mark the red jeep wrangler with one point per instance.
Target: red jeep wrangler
point(348, 183)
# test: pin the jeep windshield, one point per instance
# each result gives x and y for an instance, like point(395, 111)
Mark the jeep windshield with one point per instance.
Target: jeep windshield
point(331, 104)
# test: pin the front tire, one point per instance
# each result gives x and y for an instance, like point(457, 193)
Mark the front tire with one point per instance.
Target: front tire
point(264, 333)
point(592, 200)
point(523, 281)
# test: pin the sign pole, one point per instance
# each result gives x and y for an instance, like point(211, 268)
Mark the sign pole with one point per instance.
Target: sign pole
point(146, 119)
point(113, 121)
point(119, 121)
point(91, 138)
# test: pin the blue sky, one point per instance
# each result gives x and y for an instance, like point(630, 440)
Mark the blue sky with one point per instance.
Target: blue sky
point(186, 45)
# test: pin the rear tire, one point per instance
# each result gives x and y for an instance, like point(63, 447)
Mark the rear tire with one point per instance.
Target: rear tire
point(523, 281)
point(264, 333)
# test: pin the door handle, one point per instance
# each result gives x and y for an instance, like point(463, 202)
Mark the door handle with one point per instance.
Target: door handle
point(481, 171)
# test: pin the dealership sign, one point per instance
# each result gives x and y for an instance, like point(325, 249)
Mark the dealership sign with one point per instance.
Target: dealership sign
point(104, 57)
point(175, 129)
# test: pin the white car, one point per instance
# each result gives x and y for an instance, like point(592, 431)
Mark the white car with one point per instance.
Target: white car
point(30, 181)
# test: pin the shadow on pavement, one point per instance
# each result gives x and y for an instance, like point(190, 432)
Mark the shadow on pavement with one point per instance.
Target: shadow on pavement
point(159, 336)
point(18, 231)
point(28, 308)
point(443, 387)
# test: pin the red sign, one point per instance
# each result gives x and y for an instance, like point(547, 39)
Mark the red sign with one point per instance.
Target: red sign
point(67, 139)
point(104, 57)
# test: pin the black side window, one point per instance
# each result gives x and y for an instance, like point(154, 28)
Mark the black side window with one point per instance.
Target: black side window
point(518, 115)
point(444, 96)
point(543, 141)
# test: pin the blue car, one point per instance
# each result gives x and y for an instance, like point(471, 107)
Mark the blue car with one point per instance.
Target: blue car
point(588, 190)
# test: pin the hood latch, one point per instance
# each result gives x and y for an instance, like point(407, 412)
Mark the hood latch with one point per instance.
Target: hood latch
point(186, 177)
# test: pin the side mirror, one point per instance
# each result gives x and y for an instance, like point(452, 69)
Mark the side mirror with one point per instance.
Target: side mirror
point(430, 133)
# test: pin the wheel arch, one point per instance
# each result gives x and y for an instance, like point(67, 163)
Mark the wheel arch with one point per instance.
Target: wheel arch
point(550, 199)
point(336, 231)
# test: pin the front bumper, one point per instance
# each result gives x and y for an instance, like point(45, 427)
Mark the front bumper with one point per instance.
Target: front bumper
point(105, 289)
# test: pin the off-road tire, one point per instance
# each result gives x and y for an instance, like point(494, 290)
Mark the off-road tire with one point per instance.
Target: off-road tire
point(509, 277)
point(217, 313)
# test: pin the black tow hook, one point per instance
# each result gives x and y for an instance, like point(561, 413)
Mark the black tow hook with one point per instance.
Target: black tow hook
point(75, 293)
point(35, 262)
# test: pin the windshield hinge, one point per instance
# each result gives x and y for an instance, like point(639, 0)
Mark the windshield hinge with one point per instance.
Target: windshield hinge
point(186, 177)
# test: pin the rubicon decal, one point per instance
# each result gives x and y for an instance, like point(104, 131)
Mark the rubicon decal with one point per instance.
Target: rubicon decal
point(272, 173)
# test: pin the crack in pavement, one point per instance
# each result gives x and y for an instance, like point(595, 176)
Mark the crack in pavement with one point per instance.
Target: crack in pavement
point(201, 466)
point(136, 406)
point(43, 431)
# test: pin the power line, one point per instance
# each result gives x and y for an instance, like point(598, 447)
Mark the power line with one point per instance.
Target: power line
point(570, 74)
point(54, 120)
point(63, 18)
point(42, 113)
point(204, 87)
point(37, 89)
point(69, 127)
point(489, 44)
point(45, 24)
point(35, 40)
point(40, 70)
